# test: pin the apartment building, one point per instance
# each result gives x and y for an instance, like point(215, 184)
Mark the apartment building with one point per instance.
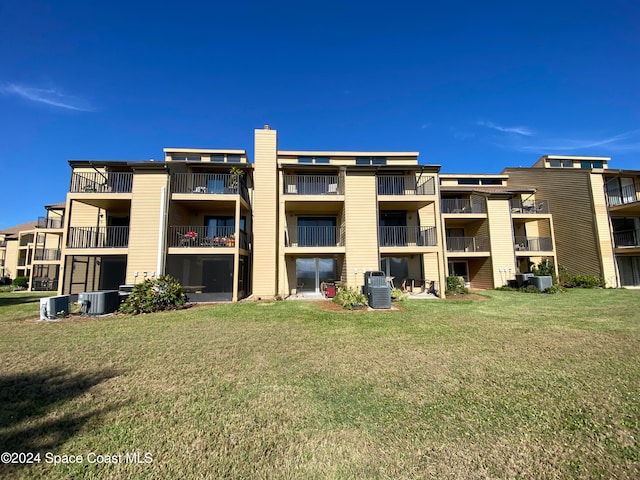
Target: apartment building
point(292, 221)
point(596, 212)
point(493, 229)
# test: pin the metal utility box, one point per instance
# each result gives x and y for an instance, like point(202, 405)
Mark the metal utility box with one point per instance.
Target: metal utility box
point(380, 297)
point(52, 308)
point(100, 302)
point(372, 279)
point(542, 282)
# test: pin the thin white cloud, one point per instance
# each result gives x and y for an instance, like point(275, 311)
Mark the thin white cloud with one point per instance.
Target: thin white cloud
point(623, 142)
point(50, 97)
point(525, 131)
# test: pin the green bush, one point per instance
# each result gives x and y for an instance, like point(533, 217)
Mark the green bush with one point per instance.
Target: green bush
point(153, 295)
point(543, 269)
point(349, 297)
point(20, 282)
point(455, 285)
point(579, 280)
point(530, 289)
point(555, 289)
point(398, 295)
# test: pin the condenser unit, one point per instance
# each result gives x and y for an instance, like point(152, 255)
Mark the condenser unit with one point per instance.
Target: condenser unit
point(52, 308)
point(372, 279)
point(100, 302)
point(380, 297)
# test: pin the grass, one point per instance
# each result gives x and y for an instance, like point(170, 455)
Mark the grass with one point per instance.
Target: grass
point(516, 386)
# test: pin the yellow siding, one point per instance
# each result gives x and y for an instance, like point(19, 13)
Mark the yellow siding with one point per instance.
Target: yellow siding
point(602, 229)
point(83, 215)
point(481, 274)
point(500, 239)
point(145, 223)
point(361, 223)
point(570, 196)
point(265, 214)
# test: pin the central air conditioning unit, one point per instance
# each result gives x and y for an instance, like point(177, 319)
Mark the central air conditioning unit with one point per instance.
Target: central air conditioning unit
point(52, 308)
point(100, 302)
point(380, 297)
point(373, 279)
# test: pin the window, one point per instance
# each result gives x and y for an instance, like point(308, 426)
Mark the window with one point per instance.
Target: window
point(189, 158)
point(305, 159)
point(468, 181)
point(217, 158)
point(314, 160)
point(371, 160)
point(561, 163)
point(591, 164)
point(491, 181)
point(233, 158)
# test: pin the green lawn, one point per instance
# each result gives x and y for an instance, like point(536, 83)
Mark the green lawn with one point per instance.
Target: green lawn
point(515, 386)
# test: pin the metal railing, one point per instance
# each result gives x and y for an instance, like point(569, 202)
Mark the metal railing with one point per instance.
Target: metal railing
point(47, 284)
point(624, 195)
point(312, 185)
point(98, 237)
point(478, 243)
point(627, 238)
point(405, 185)
point(22, 261)
point(314, 236)
point(26, 240)
point(45, 222)
point(47, 254)
point(187, 236)
point(533, 244)
point(462, 205)
point(537, 206)
point(94, 182)
point(407, 236)
point(210, 183)
point(3, 243)
point(533, 206)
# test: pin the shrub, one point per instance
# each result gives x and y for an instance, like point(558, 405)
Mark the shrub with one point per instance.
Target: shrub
point(153, 295)
point(455, 285)
point(398, 295)
point(21, 282)
point(544, 268)
point(349, 297)
point(530, 289)
point(579, 280)
point(555, 289)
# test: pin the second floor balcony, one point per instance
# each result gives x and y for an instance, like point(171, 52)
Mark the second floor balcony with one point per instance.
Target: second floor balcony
point(210, 183)
point(407, 236)
point(629, 193)
point(189, 236)
point(94, 182)
point(627, 238)
point(479, 243)
point(533, 244)
point(98, 237)
point(45, 222)
point(314, 236)
point(47, 254)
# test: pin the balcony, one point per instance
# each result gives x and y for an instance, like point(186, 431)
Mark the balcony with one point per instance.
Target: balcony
point(529, 207)
point(187, 236)
point(26, 240)
point(210, 183)
point(47, 254)
point(533, 244)
point(314, 236)
point(405, 185)
point(44, 222)
point(45, 284)
point(462, 205)
point(312, 185)
point(627, 238)
point(3, 243)
point(94, 182)
point(98, 237)
point(407, 236)
point(622, 196)
point(22, 261)
point(468, 244)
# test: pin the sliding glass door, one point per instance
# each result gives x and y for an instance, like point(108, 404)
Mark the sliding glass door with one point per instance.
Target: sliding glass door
point(311, 272)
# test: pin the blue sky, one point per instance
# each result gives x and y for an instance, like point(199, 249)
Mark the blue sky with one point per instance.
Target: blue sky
point(473, 86)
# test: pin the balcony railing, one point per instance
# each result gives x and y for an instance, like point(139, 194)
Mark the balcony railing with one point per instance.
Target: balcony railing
point(624, 195)
point(45, 284)
point(405, 185)
point(3, 243)
point(462, 205)
point(407, 236)
point(98, 237)
point(211, 183)
point(22, 261)
point(314, 236)
point(26, 240)
point(187, 236)
point(94, 182)
point(44, 222)
point(627, 238)
point(478, 243)
point(47, 254)
point(312, 185)
point(538, 206)
point(533, 244)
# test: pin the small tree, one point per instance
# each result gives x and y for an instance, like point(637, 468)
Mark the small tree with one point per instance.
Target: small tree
point(153, 295)
point(20, 282)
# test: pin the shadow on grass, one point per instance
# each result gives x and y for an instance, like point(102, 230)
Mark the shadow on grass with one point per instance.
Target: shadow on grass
point(32, 406)
point(20, 299)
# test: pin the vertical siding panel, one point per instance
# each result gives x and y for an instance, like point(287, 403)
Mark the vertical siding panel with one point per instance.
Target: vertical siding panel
point(500, 238)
